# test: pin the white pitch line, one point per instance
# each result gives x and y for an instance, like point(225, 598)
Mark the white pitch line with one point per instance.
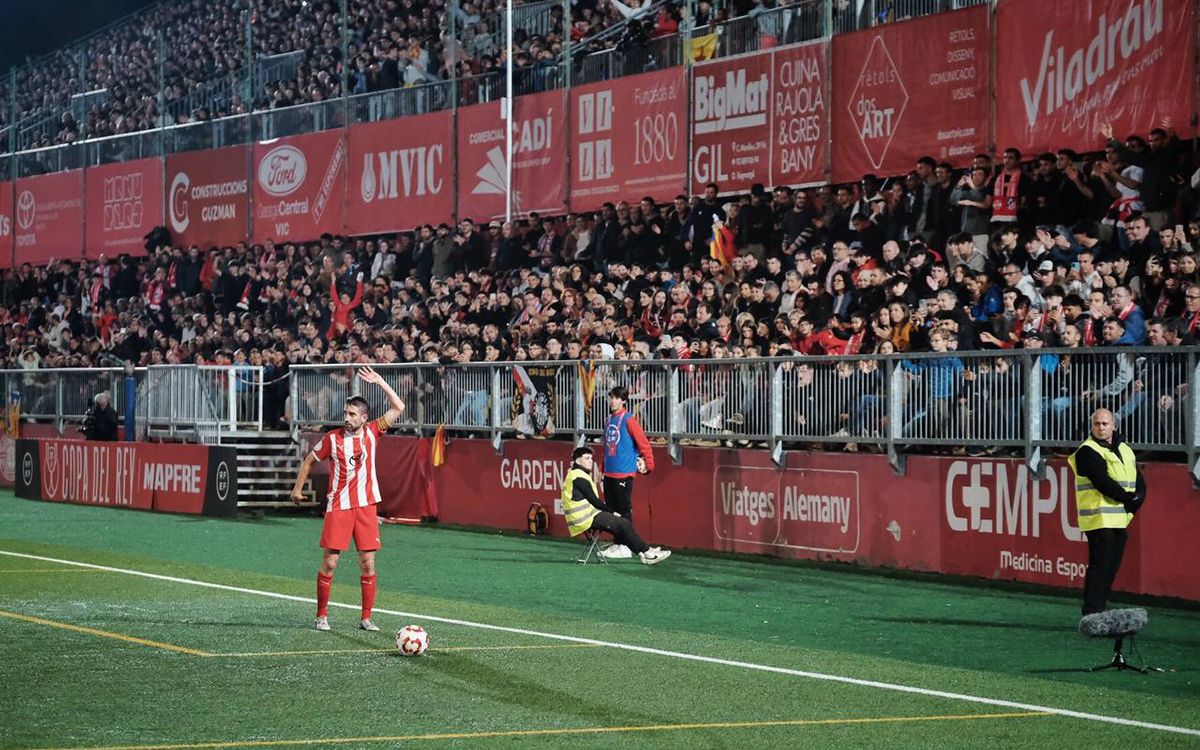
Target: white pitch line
point(647, 650)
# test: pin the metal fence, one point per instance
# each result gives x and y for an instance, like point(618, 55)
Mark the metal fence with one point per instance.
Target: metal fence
point(174, 400)
point(798, 22)
point(977, 402)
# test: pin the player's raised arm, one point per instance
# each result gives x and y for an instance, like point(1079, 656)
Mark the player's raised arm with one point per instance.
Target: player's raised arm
point(395, 405)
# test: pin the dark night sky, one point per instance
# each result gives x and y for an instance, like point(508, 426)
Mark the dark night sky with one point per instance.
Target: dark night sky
point(34, 27)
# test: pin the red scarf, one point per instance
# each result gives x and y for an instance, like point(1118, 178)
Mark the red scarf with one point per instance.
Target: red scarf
point(1004, 196)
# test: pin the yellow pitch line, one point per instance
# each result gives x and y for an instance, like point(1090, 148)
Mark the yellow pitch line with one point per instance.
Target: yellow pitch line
point(103, 633)
point(582, 730)
point(379, 650)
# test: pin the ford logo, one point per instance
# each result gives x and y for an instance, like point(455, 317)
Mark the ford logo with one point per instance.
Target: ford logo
point(282, 171)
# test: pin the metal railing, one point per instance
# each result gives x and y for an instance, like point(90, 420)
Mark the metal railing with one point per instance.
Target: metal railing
point(203, 398)
point(172, 400)
point(800, 22)
point(1023, 401)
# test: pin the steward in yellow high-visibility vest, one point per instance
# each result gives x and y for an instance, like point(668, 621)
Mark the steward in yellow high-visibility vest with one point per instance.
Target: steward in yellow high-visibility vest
point(1109, 489)
point(585, 511)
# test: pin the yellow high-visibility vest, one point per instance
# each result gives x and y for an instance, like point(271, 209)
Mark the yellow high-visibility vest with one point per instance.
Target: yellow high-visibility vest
point(578, 511)
point(1095, 510)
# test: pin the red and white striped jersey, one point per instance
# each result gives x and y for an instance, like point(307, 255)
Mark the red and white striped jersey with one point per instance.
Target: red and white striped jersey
point(352, 479)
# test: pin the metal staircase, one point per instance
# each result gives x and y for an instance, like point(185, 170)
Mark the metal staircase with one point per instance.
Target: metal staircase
point(267, 465)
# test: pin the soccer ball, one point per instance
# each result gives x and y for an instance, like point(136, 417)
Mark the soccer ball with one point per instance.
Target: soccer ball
point(412, 640)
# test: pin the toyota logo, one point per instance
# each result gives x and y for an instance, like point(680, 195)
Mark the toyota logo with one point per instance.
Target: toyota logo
point(26, 210)
point(222, 481)
point(27, 468)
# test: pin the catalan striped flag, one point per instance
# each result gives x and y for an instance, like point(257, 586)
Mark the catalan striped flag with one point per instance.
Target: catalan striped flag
point(587, 381)
point(720, 247)
point(13, 422)
point(437, 448)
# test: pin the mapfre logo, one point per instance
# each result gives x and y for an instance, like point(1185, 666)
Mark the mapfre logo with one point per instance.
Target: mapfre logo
point(1001, 497)
point(177, 203)
point(878, 102)
point(282, 170)
point(26, 210)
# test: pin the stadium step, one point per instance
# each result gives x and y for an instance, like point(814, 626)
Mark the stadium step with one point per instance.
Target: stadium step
point(267, 466)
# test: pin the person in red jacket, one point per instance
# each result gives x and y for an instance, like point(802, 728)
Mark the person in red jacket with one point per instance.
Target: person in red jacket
point(342, 305)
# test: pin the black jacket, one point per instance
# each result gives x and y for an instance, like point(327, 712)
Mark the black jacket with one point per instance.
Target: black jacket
point(103, 425)
point(1090, 464)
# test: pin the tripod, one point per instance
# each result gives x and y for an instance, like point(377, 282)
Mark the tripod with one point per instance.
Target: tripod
point(1118, 661)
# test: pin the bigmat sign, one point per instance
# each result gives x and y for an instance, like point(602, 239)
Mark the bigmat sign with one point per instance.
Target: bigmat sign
point(1066, 67)
point(299, 186)
point(207, 197)
point(401, 176)
point(985, 518)
point(911, 89)
point(629, 139)
point(6, 224)
point(124, 202)
point(193, 479)
point(760, 118)
point(539, 138)
point(49, 217)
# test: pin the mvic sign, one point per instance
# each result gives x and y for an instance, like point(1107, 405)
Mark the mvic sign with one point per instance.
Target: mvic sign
point(170, 478)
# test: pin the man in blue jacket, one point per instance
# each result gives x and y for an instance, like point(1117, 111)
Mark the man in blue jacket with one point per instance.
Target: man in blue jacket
point(626, 452)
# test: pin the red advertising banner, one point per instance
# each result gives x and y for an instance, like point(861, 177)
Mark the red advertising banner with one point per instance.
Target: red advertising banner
point(539, 145)
point(299, 186)
point(800, 143)
point(731, 123)
point(6, 224)
point(989, 518)
point(208, 198)
point(49, 217)
point(195, 479)
point(1067, 67)
point(911, 89)
point(124, 202)
point(401, 174)
point(759, 118)
point(629, 139)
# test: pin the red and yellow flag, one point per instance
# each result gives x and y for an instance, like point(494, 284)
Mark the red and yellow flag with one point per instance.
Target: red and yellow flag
point(437, 448)
point(720, 247)
point(587, 381)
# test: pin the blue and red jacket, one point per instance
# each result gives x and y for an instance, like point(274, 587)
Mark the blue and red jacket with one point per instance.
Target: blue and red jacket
point(624, 441)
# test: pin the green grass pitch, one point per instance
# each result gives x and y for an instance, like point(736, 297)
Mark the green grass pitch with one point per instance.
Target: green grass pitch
point(104, 658)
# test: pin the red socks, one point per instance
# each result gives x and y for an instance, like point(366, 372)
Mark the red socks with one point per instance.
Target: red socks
point(368, 595)
point(324, 584)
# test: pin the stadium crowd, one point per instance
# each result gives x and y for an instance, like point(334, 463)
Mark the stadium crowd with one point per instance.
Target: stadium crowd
point(1085, 248)
point(390, 45)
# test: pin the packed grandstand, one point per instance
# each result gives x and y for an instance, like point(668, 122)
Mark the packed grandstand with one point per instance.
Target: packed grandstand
point(1091, 245)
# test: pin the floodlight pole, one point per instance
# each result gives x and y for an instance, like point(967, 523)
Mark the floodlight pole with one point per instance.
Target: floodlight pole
point(508, 109)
